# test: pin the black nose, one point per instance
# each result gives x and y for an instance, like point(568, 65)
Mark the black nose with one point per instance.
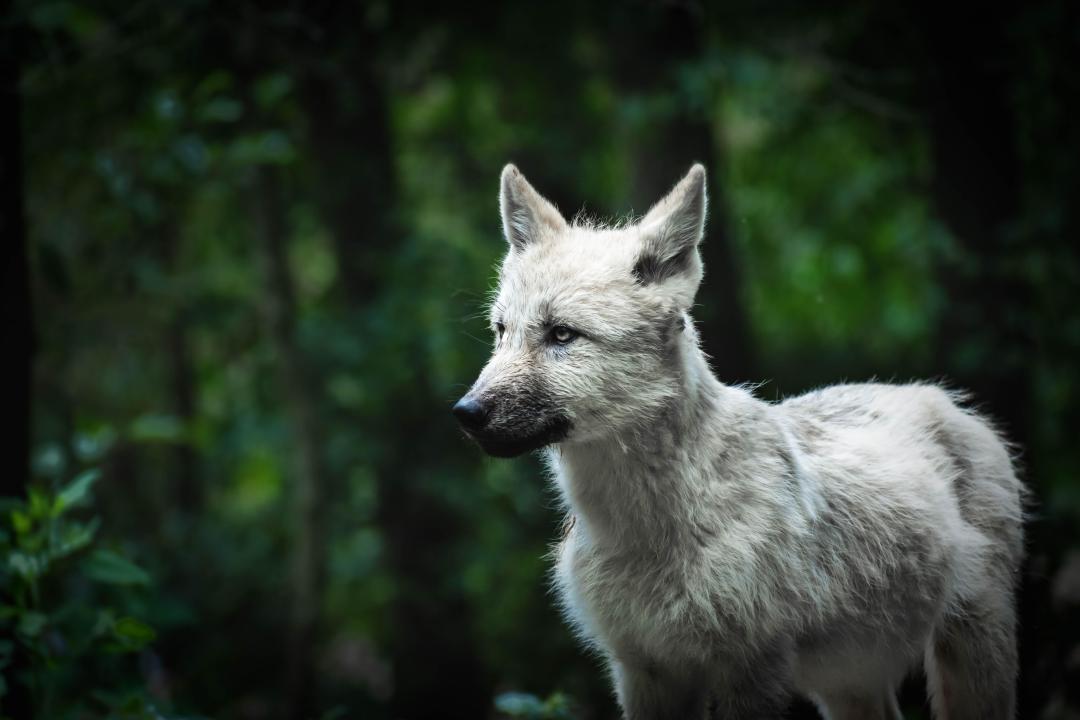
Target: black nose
point(470, 413)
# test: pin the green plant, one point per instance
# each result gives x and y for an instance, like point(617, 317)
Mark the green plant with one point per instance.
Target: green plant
point(531, 707)
point(64, 609)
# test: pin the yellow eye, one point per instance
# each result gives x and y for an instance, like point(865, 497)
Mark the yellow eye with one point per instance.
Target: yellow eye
point(562, 334)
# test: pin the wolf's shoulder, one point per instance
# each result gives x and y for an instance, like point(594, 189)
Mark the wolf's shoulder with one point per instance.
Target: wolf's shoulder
point(861, 404)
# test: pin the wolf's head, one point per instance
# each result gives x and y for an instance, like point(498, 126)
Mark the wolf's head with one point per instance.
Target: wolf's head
point(589, 322)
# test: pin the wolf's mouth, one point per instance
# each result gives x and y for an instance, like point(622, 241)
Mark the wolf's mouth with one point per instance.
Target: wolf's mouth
point(508, 446)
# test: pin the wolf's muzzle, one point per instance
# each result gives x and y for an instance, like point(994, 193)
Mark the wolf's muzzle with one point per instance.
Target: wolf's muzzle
point(471, 413)
point(511, 445)
point(500, 433)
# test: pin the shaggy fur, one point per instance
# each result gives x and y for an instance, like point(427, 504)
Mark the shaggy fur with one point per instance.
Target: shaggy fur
point(728, 553)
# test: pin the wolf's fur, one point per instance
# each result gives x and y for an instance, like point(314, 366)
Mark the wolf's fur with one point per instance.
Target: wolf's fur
point(727, 552)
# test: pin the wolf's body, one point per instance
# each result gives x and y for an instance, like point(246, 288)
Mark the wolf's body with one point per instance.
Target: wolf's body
point(728, 553)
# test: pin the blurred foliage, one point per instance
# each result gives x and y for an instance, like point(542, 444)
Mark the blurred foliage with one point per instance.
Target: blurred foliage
point(70, 607)
point(261, 238)
point(523, 705)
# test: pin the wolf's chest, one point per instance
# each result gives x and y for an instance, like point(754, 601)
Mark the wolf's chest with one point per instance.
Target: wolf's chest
point(640, 603)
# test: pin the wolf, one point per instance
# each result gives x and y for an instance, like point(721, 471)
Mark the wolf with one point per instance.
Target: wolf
point(725, 554)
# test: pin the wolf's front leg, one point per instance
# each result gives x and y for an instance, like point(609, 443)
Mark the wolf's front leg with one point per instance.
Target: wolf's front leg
point(653, 691)
point(760, 689)
point(648, 690)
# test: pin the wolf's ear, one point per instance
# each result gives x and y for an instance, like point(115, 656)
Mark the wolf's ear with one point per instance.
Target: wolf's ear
point(526, 215)
point(670, 233)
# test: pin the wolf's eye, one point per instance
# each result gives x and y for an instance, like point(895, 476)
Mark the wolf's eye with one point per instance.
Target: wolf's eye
point(562, 334)
point(499, 329)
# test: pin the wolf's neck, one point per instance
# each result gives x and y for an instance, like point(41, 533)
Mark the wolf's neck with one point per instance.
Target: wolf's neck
point(647, 485)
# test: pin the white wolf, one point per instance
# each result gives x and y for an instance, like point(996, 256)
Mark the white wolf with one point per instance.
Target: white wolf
point(725, 553)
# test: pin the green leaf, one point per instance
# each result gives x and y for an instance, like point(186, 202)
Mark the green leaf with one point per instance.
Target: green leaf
point(151, 428)
point(74, 537)
point(221, 109)
point(40, 504)
point(272, 147)
point(133, 634)
point(517, 704)
point(526, 705)
point(76, 492)
point(103, 623)
point(108, 567)
point(557, 706)
point(272, 89)
point(27, 566)
point(31, 623)
point(21, 522)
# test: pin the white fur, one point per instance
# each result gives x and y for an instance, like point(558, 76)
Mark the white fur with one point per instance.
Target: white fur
point(726, 552)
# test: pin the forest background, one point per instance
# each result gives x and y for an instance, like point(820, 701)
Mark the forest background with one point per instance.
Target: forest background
point(246, 250)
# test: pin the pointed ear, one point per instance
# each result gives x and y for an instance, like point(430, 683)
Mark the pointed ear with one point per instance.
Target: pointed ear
point(671, 231)
point(526, 215)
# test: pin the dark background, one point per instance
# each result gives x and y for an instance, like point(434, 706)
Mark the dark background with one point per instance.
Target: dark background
point(246, 249)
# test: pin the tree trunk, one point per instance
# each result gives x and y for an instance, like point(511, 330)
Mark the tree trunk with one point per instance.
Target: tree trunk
point(279, 308)
point(17, 313)
point(436, 667)
point(186, 492)
point(650, 52)
point(18, 322)
point(355, 182)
